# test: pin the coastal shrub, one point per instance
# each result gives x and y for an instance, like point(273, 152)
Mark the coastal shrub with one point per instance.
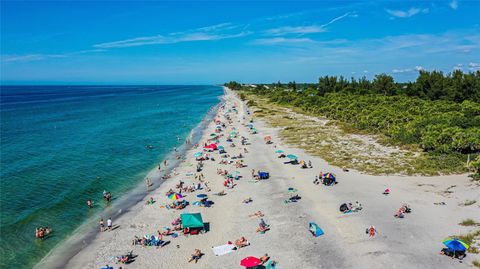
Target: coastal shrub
point(440, 126)
point(468, 222)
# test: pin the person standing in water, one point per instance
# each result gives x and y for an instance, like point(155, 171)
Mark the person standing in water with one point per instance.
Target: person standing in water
point(89, 203)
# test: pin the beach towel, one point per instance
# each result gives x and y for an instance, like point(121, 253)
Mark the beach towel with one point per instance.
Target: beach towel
point(223, 249)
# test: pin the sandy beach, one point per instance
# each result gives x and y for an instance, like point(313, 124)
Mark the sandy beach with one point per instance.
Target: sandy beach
point(411, 242)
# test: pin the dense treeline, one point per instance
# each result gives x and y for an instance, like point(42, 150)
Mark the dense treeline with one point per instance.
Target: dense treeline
point(456, 86)
point(443, 119)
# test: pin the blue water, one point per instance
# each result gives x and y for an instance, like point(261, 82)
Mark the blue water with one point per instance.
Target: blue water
point(63, 145)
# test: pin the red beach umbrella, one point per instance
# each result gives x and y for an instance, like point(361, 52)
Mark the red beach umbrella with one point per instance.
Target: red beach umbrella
point(250, 261)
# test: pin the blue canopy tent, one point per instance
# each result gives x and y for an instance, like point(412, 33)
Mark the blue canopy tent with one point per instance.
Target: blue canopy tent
point(315, 229)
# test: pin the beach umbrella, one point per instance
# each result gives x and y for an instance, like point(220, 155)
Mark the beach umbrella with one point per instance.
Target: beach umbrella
point(292, 190)
point(221, 147)
point(267, 138)
point(455, 244)
point(213, 134)
point(279, 151)
point(219, 126)
point(198, 154)
point(175, 196)
point(291, 156)
point(202, 195)
point(250, 262)
point(329, 176)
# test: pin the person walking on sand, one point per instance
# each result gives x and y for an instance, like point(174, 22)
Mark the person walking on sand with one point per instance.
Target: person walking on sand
point(165, 163)
point(253, 173)
point(102, 225)
point(371, 231)
point(109, 223)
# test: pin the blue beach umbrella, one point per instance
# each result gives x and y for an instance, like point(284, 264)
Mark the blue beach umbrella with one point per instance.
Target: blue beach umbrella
point(198, 154)
point(202, 195)
point(279, 151)
point(221, 147)
point(455, 244)
point(291, 156)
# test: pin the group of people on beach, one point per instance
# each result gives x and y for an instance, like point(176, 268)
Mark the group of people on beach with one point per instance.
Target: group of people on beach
point(102, 225)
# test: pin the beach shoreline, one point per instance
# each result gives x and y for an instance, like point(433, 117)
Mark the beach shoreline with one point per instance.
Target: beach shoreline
point(84, 235)
point(401, 243)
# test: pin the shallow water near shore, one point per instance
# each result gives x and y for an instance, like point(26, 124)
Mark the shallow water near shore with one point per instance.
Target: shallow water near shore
point(64, 145)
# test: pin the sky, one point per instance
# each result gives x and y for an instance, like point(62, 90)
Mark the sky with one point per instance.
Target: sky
point(212, 42)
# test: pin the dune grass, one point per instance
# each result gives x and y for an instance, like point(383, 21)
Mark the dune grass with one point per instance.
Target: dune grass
point(343, 146)
point(469, 222)
point(472, 239)
point(476, 263)
point(468, 202)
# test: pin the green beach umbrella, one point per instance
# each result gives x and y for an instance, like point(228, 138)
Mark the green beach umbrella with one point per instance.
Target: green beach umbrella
point(291, 156)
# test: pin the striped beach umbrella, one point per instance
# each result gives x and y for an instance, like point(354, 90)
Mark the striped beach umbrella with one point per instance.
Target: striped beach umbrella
point(175, 196)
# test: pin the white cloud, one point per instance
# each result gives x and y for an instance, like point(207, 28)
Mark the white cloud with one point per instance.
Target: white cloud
point(209, 33)
point(406, 70)
point(419, 68)
point(29, 57)
point(474, 66)
point(407, 13)
point(458, 67)
point(454, 4)
point(295, 30)
point(309, 29)
point(281, 40)
point(39, 56)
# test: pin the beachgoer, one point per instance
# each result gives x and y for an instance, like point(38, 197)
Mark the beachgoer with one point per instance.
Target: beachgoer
point(89, 203)
point(371, 231)
point(41, 233)
point(102, 225)
point(264, 258)
point(256, 214)
point(197, 254)
point(109, 223)
point(242, 242)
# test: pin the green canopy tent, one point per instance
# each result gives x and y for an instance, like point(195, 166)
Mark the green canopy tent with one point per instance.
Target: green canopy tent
point(192, 220)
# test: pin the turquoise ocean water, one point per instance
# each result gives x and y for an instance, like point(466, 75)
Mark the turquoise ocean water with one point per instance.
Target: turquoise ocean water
point(63, 145)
